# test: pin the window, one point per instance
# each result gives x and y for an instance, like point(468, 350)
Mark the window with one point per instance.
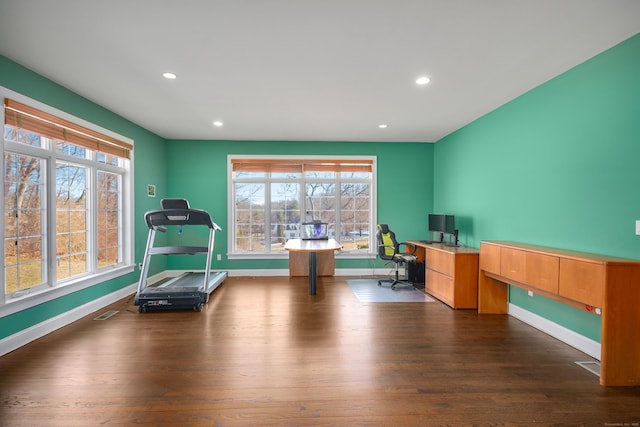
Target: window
point(25, 222)
point(65, 184)
point(272, 197)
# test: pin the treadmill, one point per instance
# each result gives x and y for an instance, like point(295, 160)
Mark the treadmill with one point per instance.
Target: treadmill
point(189, 290)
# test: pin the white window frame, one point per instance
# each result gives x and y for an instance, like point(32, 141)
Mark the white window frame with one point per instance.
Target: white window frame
point(371, 253)
point(13, 305)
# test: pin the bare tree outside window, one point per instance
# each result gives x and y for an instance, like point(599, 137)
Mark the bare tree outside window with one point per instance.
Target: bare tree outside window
point(285, 213)
point(250, 214)
point(71, 220)
point(23, 233)
point(109, 189)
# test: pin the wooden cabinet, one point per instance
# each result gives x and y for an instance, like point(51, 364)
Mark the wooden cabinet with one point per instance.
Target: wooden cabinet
point(602, 285)
point(512, 264)
point(451, 273)
point(582, 281)
point(542, 271)
point(490, 259)
point(537, 270)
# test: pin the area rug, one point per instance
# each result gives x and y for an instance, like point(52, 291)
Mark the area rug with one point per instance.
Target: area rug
point(367, 290)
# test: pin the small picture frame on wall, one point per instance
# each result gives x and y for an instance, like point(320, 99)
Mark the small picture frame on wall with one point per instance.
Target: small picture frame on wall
point(151, 190)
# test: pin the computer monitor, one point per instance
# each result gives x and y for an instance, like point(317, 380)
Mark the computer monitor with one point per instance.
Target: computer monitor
point(442, 224)
point(450, 228)
point(436, 223)
point(315, 230)
point(449, 224)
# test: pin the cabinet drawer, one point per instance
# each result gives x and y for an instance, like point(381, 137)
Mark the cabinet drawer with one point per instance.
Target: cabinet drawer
point(582, 281)
point(490, 258)
point(513, 264)
point(442, 262)
point(542, 271)
point(440, 286)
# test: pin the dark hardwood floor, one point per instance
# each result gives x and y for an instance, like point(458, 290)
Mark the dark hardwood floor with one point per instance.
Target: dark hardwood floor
point(264, 352)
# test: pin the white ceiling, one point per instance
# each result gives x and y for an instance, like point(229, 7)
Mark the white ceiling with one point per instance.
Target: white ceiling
point(330, 70)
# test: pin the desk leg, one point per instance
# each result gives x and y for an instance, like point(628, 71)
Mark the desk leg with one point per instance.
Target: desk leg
point(493, 295)
point(312, 273)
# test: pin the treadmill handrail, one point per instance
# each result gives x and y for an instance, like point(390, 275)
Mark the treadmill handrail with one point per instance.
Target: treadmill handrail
point(163, 217)
point(178, 250)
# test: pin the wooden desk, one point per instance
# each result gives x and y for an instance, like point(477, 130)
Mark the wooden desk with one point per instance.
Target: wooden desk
point(602, 285)
point(312, 247)
point(451, 272)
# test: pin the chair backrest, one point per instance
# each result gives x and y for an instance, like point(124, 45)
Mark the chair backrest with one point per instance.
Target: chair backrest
point(387, 243)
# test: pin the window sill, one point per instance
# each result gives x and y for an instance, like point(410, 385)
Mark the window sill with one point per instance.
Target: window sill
point(17, 304)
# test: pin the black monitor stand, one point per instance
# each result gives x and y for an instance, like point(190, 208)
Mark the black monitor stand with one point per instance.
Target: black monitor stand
point(455, 239)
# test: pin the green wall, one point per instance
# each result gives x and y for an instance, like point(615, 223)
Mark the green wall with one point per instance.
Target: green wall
point(149, 152)
point(404, 185)
point(556, 166)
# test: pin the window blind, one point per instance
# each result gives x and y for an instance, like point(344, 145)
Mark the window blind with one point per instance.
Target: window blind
point(31, 119)
point(320, 165)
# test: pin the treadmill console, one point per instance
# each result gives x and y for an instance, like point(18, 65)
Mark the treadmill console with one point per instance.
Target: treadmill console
point(174, 204)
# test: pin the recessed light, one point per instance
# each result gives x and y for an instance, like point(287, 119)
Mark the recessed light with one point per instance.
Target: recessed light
point(423, 80)
point(382, 126)
point(217, 123)
point(169, 76)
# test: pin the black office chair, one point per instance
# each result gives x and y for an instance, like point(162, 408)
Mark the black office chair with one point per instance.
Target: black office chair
point(389, 250)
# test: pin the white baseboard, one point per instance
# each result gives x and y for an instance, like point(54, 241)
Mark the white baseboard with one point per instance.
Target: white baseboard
point(25, 336)
point(575, 340)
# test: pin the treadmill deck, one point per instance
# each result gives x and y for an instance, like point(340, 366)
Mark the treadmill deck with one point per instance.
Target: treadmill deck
point(182, 292)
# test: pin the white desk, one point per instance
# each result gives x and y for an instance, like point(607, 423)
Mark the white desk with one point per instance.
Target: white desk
point(312, 247)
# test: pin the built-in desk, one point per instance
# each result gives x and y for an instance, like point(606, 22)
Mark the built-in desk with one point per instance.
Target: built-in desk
point(602, 285)
point(451, 272)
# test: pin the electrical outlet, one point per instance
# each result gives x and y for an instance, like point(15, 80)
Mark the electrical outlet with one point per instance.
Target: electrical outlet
point(530, 293)
point(638, 227)
point(219, 257)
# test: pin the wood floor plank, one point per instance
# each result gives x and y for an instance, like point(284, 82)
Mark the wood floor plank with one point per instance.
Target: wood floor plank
point(263, 352)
